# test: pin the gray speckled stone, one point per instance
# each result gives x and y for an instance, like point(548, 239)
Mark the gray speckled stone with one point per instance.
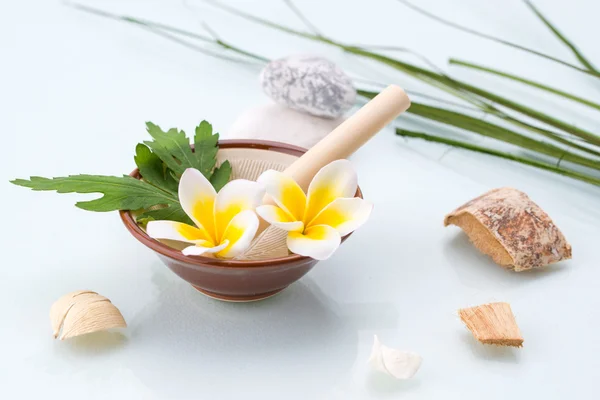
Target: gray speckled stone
point(309, 83)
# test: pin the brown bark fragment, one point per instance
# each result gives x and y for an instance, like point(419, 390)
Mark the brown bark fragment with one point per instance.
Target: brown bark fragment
point(492, 323)
point(506, 225)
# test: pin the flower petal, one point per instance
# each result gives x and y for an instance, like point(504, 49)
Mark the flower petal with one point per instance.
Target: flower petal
point(344, 215)
point(176, 231)
point(203, 248)
point(279, 218)
point(197, 198)
point(239, 233)
point(285, 192)
point(318, 242)
point(393, 362)
point(236, 196)
point(336, 179)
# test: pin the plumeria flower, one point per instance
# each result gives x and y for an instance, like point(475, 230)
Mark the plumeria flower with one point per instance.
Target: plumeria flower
point(225, 222)
point(316, 221)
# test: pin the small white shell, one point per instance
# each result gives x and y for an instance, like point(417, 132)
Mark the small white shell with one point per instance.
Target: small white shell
point(397, 363)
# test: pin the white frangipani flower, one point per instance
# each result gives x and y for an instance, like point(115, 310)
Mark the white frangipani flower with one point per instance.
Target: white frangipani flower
point(316, 221)
point(225, 222)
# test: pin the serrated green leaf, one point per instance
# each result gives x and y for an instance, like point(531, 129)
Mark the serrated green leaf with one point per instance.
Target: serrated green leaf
point(161, 163)
point(153, 170)
point(119, 193)
point(205, 148)
point(221, 176)
point(171, 213)
point(173, 148)
point(204, 130)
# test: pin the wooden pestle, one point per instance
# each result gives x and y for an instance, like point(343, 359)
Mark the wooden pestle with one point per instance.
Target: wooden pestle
point(348, 137)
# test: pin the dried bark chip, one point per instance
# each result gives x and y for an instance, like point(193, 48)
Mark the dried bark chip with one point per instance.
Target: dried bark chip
point(506, 225)
point(82, 312)
point(492, 323)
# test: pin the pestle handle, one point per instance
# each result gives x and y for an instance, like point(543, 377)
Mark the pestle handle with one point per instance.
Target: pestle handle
point(349, 136)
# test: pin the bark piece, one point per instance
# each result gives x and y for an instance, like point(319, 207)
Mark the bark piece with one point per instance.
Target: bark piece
point(492, 323)
point(506, 225)
point(82, 312)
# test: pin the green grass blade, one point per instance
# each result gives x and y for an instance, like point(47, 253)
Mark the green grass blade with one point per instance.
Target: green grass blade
point(558, 92)
point(496, 39)
point(160, 29)
point(494, 131)
point(488, 129)
point(496, 153)
point(441, 81)
point(566, 140)
point(459, 85)
point(582, 59)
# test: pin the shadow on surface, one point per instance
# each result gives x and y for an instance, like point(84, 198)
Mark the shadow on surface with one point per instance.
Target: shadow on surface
point(300, 340)
point(92, 344)
point(477, 270)
point(490, 352)
point(381, 385)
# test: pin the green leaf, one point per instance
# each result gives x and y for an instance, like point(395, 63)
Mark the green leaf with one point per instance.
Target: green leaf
point(496, 153)
point(452, 85)
point(161, 163)
point(582, 59)
point(439, 80)
point(173, 148)
point(221, 176)
point(528, 82)
point(493, 38)
point(170, 213)
point(153, 170)
point(119, 193)
point(497, 132)
point(494, 131)
point(205, 148)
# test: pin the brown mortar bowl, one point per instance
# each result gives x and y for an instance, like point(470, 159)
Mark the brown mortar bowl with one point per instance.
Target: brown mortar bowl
point(232, 280)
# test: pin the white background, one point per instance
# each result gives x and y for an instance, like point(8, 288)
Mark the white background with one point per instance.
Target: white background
point(75, 92)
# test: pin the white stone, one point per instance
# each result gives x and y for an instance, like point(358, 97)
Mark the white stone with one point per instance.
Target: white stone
point(311, 84)
point(281, 124)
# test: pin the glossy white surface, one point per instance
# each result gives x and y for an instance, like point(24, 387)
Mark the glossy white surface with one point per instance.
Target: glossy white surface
point(76, 91)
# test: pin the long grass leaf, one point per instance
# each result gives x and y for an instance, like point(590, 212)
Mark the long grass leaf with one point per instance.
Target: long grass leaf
point(415, 71)
point(566, 140)
point(496, 39)
point(582, 59)
point(496, 153)
point(444, 80)
point(166, 31)
point(488, 129)
point(441, 81)
point(558, 92)
point(493, 131)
